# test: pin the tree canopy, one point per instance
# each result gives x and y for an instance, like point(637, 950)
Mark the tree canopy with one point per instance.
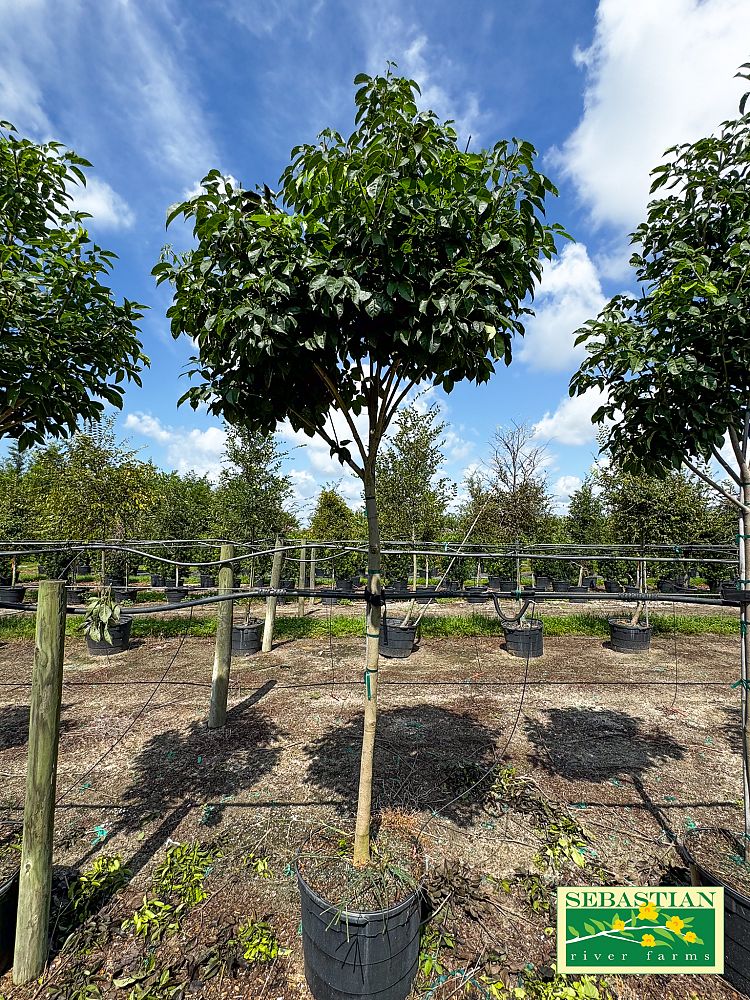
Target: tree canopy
point(67, 345)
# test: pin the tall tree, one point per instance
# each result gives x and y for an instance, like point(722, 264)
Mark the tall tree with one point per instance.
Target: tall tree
point(412, 495)
point(674, 362)
point(389, 258)
point(67, 345)
point(253, 497)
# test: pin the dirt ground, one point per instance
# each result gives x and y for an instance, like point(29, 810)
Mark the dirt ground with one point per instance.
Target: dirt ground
point(637, 748)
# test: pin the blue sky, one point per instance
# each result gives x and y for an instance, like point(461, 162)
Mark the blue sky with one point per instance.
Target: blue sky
point(157, 92)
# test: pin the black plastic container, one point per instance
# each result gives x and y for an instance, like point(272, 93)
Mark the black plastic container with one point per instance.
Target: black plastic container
point(625, 638)
point(670, 587)
point(349, 955)
point(73, 595)
point(207, 581)
point(578, 590)
point(589, 582)
point(525, 642)
point(631, 589)
point(12, 595)
point(477, 595)
point(157, 580)
point(493, 582)
point(450, 585)
point(176, 594)
point(507, 585)
point(8, 912)
point(736, 916)
point(542, 583)
point(425, 591)
point(247, 639)
point(397, 586)
point(613, 587)
point(400, 642)
point(114, 581)
point(125, 594)
point(733, 594)
point(345, 585)
point(562, 586)
point(120, 633)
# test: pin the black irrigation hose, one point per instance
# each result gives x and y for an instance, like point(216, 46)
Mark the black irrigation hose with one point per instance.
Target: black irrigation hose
point(538, 598)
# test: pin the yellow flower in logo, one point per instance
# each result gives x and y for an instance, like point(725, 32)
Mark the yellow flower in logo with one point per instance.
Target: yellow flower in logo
point(648, 912)
point(648, 941)
point(674, 924)
point(618, 924)
point(690, 937)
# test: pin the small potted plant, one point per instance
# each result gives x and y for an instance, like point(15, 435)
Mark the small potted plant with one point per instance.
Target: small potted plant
point(248, 637)
point(9, 592)
point(106, 629)
point(632, 635)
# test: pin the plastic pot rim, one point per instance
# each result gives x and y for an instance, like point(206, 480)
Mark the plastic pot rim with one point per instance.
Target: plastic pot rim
point(363, 916)
point(684, 849)
point(624, 623)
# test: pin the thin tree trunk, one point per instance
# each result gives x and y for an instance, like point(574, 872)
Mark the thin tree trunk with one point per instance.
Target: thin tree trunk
point(364, 799)
point(744, 551)
point(414, 567)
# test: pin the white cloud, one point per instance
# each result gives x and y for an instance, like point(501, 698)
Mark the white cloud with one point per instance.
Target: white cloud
point(265, 17)
point(107, 208)
point(565, 486)
point(569, 294)
point(187, 449)
point(657, 74)
point(389, 36)
point(571, 422)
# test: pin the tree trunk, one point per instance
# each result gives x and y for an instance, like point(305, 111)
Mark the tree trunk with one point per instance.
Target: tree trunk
point(744, 553)
point(364, 800)
point(414, 567)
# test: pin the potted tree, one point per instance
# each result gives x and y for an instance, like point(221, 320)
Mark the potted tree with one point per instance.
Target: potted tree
point(106, 629)
point(368, 274)
point(673, 365)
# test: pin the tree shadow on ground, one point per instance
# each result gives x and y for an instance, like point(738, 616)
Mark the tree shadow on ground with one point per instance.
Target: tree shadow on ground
point(591, 744)
point(425, 758)
point(731, 728)
point(14, 726)
point(195, 766)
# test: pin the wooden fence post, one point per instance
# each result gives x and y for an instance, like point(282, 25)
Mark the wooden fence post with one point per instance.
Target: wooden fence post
point(278, 555)
point(35, 886)
point(313, 582)
point(217, 711)
point(301, 575)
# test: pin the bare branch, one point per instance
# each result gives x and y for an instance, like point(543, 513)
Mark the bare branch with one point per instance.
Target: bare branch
point(329, 441)
point(341, 405)
point(715, 486)
point(727, 467)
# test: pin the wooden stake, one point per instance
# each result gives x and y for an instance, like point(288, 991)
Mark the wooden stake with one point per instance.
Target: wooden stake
point(35, 887)
point(217, 712)
point(301, 580)
point(313, 581)
point(278, 556)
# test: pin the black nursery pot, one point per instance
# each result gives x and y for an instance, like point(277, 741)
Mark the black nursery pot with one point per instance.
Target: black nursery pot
point(400, 641)
point(157, 580)
point(613, 587)
point(73, 595)
point(625, 638)
point(12, 595)
point(125, 593)
point(736, 917)
point(589, 582)
point(562, 586)
point(114, 581)
point(732, 593)
point(425, 591)
point(8, 912)
point(542, 582)
point(476, 595)
point(525, 642)
point(630, 589)
point(396, 586)
point(493, 582)
point(176, 594)
point(247, 639)
point(578, 590)
point(120, 633)
point(372, 956)
point(344, 585)
point(207, 581)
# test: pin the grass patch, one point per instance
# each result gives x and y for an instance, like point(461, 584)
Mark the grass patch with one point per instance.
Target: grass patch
point(22, 626)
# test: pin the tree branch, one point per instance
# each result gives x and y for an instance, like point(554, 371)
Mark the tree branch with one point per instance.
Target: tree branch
point(330, 442)
point(723, 462)
point(331, 386)
point(715, 486)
